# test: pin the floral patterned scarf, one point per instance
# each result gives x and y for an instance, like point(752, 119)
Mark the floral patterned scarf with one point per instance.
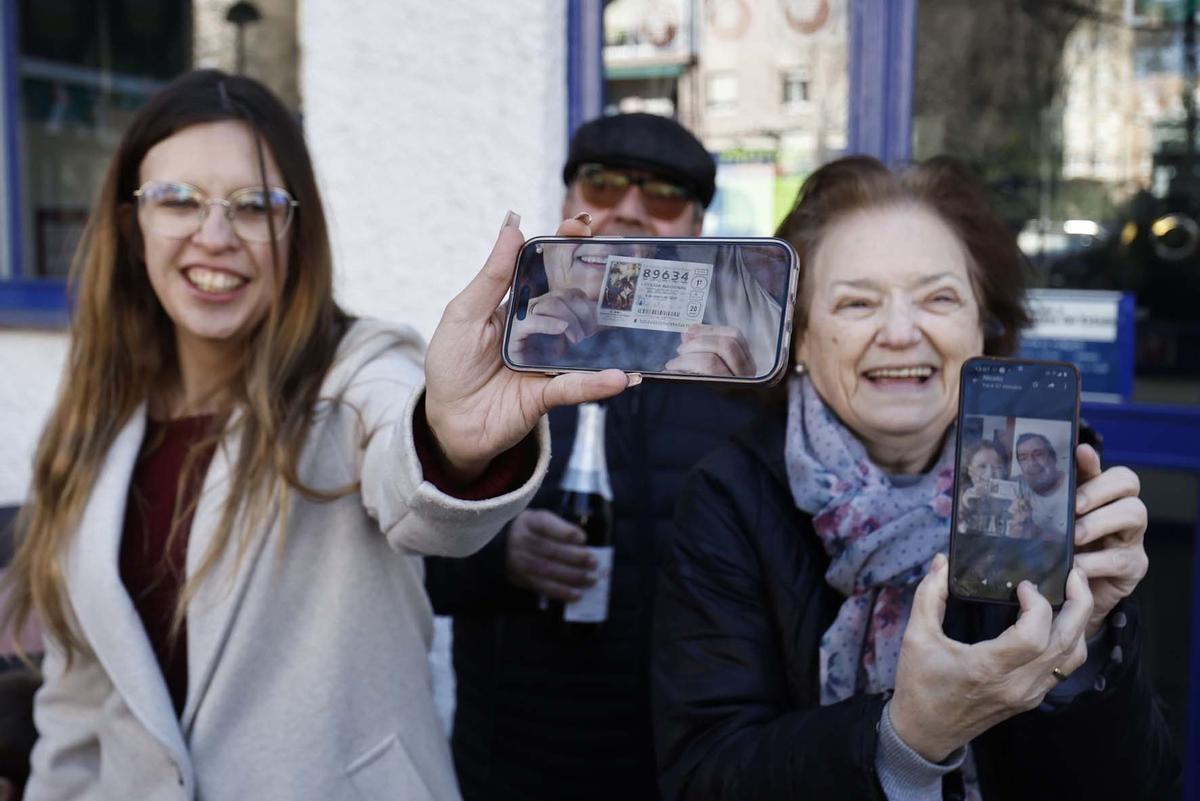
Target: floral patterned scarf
point(880, 534)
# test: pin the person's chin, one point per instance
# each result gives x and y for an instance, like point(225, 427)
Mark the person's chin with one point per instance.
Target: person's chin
point(907, 419)
point(216, 328)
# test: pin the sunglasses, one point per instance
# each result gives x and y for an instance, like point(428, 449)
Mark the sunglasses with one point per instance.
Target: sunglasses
point(177, 210)
point(604, 187)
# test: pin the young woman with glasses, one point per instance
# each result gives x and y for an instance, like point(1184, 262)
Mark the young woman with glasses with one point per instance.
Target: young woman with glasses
point(237, 479)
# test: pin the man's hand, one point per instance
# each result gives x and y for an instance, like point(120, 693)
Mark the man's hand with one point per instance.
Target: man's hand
point(546, 554)
point(712, 350)
point(553, 322)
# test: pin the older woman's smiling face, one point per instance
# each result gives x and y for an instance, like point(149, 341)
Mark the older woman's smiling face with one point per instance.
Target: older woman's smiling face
point(892, 317)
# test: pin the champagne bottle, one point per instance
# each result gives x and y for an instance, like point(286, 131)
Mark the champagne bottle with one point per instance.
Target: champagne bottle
point(585, 499)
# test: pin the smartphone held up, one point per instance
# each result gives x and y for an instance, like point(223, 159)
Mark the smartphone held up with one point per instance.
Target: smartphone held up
point(1014, 479)
point(717, 309)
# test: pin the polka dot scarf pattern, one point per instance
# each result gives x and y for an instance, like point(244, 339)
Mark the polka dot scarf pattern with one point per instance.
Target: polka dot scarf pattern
point(880, 535)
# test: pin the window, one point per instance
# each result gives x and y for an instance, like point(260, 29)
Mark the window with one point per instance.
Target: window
point(721, 93)
point(74, 72)
point(82, 70)
point(1079, 123)
point(765, 134)
point(795, 89)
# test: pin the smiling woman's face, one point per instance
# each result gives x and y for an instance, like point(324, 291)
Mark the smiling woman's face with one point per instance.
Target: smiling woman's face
point(892, 317)
point(213, 285)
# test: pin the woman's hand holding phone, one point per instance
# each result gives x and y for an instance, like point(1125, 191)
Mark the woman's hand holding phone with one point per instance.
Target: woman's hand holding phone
point(1110, 530)
point(475, 407)
point(948, 692)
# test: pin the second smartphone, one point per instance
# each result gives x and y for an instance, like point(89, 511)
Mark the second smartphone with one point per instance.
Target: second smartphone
point(1014, 485)
point(717, 309)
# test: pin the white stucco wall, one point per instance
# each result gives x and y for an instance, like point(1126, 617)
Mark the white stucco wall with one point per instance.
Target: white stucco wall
point(427, 122)
point(30, 365)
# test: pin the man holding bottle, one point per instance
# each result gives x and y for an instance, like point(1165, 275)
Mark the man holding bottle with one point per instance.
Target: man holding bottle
point(549, 704)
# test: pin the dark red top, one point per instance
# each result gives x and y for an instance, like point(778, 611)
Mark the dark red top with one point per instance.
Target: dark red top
point(152, 575)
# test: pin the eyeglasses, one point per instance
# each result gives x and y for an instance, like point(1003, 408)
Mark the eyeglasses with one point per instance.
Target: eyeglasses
point(604, 187)
point(177, 210)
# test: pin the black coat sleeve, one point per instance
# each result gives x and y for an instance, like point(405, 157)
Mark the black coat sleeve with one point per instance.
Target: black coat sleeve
point(728, 720)
point(1111, 742)
point(476, 583)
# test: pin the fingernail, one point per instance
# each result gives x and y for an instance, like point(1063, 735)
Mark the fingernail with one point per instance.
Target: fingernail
point(592, 576)
point(634, 379)
point(583, 217)
point(938, 561)
point(511, 220)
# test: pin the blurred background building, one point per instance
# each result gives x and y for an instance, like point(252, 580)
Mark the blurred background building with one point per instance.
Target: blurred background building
point(427, 121)
point(764, 86)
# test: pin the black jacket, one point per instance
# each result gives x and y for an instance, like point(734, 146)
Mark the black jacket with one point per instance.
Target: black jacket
point(542, 716)
point(742, 606)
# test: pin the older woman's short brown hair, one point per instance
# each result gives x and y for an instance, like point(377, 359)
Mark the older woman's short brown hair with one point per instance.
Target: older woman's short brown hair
point(948, 189)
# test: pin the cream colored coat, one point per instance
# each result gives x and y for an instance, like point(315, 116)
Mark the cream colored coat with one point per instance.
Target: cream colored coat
point(308, 675)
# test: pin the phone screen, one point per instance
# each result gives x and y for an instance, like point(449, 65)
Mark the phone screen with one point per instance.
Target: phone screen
point(1014, 493)
point(712, 308)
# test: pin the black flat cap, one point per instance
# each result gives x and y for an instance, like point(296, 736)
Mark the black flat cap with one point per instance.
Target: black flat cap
point(647, 142)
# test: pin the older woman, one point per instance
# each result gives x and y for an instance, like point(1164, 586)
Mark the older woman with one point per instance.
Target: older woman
point(807, 647)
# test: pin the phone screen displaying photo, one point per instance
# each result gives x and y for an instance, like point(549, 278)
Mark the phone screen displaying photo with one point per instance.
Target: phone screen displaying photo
point(1014, 494)
point(715, 308)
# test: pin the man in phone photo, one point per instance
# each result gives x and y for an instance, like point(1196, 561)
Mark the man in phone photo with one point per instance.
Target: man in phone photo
point(1043, 488)
point(540, 715)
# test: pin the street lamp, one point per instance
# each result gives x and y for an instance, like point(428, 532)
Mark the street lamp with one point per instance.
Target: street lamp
point(240, 14)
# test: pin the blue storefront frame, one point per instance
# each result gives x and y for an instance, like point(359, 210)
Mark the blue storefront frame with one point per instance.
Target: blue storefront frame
point(25, 301)
point(12, 148)
point(882, 49)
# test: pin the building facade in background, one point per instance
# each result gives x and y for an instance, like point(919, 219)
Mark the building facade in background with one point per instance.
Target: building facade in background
point(762, 84)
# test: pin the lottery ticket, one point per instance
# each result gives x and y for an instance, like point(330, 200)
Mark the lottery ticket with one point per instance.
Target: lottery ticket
point(653, 294)
point(999, 488)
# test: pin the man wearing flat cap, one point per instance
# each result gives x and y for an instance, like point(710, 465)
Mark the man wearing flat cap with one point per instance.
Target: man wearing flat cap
point(673, 176)
point(540, 715)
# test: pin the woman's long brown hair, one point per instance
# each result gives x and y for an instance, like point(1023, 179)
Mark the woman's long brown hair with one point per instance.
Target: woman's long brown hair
point(122, 347)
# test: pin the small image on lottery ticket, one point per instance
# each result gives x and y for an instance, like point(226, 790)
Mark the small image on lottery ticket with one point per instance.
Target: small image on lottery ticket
point(653, 294)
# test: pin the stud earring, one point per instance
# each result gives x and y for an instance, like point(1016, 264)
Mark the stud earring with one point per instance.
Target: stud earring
point(799, 368)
